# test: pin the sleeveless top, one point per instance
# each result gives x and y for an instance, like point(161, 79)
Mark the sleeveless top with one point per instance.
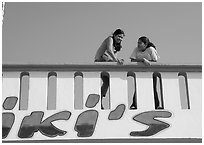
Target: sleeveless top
point(102, 52)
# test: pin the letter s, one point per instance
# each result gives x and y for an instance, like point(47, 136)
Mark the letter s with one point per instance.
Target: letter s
point(155, 126)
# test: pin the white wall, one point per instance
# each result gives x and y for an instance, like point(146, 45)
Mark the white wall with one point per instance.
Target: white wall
point(184, 123)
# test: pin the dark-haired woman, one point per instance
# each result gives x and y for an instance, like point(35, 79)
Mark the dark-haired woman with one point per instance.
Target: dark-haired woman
point(107, 53)
point(109, 47)
point(144, 52)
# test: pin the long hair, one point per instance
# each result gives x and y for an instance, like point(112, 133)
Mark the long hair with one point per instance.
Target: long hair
point(146, 41)
point(117, 46)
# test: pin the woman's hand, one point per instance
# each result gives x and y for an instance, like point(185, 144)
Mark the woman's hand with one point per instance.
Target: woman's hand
point(120, 61)
point(146, 62)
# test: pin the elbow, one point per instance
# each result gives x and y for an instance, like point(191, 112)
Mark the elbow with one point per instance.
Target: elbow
point(132, 59)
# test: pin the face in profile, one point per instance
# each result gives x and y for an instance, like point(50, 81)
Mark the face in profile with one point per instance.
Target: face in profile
point(118, 38)
point(141, 45)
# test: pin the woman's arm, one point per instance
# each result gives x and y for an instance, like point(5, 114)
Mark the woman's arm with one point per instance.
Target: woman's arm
point(110, 50)
point(137, 59)
point(153, 54)
point(144, 60)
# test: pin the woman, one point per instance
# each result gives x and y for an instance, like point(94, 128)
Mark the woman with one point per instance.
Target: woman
point(144, 52)
point(110, 46)
point(107, 53)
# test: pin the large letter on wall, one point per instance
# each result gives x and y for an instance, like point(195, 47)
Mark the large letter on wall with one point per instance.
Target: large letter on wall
point(33, 123)
point(7, 117)
point(155, 126)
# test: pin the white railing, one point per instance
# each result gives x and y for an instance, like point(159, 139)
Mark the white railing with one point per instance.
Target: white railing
point(69, 97)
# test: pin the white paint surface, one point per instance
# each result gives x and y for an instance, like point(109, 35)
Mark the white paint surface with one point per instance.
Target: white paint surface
point(183, 123)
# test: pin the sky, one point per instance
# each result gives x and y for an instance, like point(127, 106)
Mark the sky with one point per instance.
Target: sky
point(71, 33)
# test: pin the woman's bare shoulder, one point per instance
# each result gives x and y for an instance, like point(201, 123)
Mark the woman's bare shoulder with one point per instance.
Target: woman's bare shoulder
point(109, 38)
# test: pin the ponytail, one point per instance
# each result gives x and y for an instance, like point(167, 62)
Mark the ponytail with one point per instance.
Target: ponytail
point(150, 44)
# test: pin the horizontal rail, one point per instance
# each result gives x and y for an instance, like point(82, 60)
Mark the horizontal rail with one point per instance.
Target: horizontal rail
point(157, 140)
point(102, 67)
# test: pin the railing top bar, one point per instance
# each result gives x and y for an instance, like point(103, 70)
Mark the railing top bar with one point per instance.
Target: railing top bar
point(101, 67)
